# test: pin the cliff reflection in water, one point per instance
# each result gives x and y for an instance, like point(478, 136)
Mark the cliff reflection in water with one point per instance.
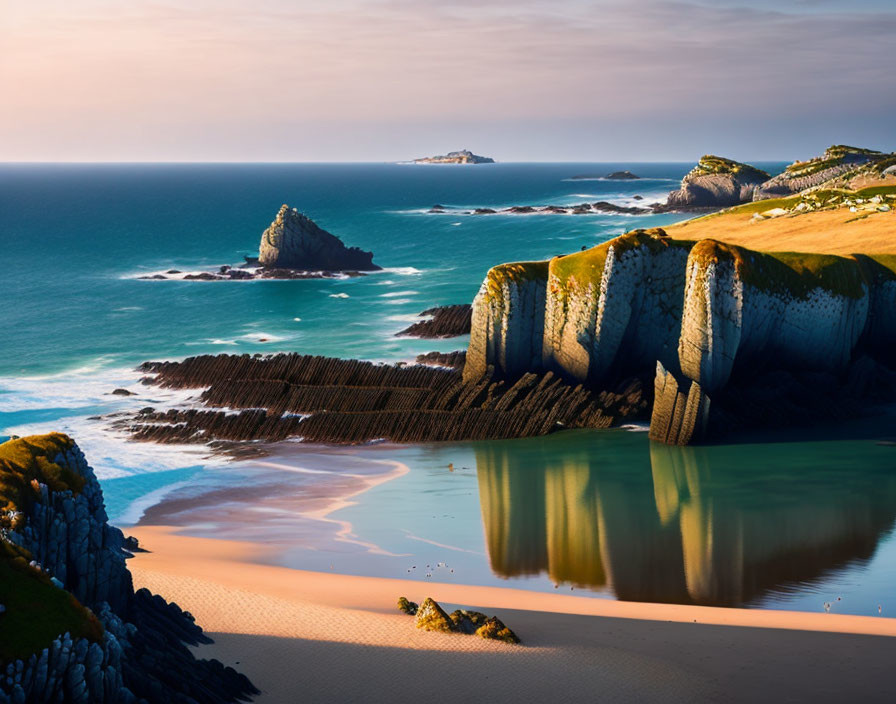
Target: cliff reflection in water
point(715, 525)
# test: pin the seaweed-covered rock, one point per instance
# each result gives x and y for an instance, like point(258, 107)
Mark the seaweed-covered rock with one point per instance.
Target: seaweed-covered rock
point(294, 241)
point(494, 629)
point(409, 607)
point(432, 617)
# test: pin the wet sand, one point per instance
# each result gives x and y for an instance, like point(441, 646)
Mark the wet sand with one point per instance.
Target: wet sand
point(326, 637)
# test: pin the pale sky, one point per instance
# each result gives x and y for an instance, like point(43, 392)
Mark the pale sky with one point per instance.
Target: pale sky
point(386, 80)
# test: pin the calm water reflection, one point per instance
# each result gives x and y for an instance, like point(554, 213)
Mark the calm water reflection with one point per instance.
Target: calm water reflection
point(717, 525)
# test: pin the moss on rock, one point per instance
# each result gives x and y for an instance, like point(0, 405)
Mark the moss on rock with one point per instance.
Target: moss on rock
point(409, 607)
point(494, 629)
point(432, 617)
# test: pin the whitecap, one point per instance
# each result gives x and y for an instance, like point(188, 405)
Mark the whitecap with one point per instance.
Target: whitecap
point(396, 294)
point(339, 295)
point(402, 270)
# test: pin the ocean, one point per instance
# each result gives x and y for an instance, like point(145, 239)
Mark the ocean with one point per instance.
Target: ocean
point(78, 319)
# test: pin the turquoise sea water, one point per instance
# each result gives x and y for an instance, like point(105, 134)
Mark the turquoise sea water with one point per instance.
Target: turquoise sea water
point(761, 523)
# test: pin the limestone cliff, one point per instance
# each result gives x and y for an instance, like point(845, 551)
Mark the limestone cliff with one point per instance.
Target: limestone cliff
point(73, 629)
point(294, 241)
point(697, 313)
point(716, 182)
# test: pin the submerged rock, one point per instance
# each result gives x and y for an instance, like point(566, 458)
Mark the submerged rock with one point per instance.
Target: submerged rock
point(294, 241)
point(432, 617)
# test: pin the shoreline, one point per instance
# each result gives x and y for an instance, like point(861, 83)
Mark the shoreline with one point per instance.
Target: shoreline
point(266, 617)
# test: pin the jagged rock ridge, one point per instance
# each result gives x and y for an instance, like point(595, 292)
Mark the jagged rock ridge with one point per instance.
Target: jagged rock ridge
point(716, 182)
point(441, 321)
point(330, 400)
point(294, 241)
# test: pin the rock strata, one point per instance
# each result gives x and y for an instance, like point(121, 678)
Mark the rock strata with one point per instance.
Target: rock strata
point(441, 321)
point(329, 400)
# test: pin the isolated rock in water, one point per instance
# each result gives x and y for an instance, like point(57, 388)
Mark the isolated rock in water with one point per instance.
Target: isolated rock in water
point(717, 182)
point(494, 629)
point(294, 241)
point(464, 156)
point(622, 176)
point(409, 607)
point(432, 617)
point(467, 621)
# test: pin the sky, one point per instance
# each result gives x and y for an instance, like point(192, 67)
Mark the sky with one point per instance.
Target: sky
point(388, 80)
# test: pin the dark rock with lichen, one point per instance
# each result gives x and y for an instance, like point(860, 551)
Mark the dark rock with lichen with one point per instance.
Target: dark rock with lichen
point(432, 617)
point(716, 182)
point(467, 621)
point(494, 629)
point(409, 607)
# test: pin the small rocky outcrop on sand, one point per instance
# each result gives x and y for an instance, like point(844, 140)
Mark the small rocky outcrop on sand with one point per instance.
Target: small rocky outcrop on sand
point(716, 182)
point(294, 241)
point(89, 636)
point(464, 156)
point(441, 321)
point(432, 617)
point(838, 165)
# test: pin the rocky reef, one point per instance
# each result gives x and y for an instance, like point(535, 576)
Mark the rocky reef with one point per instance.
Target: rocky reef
point(716, 182)
point(441, 321)
point(294, 241)
point(705, 316)
point(72, 628)
point(321, 399)
point(464, 156)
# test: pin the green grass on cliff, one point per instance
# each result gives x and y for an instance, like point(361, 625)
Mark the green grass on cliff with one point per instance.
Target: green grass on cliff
point(581, 269)
point(36, 610)
point(794, 273)
point(517, 272)
point(27, 462)
point(712, 164)
point(833, 156)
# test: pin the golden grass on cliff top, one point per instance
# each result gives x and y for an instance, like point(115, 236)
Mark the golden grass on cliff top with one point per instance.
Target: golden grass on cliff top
point(825, 232)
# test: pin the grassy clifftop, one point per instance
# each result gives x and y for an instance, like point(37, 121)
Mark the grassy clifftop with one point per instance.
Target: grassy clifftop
point(36, 611)
point(712, 164)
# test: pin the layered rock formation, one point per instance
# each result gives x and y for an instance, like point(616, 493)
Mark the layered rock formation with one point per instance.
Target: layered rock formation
point(464, 156)
point(716, 182)
point(294, 241)
point(329, 400)
point(441, 321)
point(697, 313)
point(835, 167)
point(73, 628)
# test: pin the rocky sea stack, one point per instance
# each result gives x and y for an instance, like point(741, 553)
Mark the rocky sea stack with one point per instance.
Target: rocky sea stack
point(716, 182)
point(294, 241)
point(464, 156)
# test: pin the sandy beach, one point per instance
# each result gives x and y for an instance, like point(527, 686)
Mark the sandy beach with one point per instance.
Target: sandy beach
point(322, 637)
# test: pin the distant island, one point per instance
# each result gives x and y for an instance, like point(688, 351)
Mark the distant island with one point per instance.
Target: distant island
point(464, 156)
point(615, 176)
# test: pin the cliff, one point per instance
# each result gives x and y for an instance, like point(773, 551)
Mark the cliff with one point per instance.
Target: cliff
point(73, 629)
point(464, 156)
point(294, 241)
point(698, 313)
point(716, 182)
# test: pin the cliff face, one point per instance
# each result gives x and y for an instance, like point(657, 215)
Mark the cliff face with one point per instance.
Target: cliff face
point(130, 647)
point(294, 241)
point(697, 313)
